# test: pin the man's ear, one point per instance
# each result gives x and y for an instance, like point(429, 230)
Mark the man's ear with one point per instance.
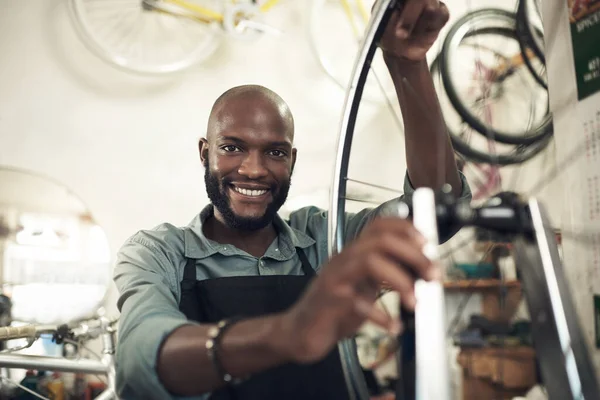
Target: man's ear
point(203, 150)
point(294, 151)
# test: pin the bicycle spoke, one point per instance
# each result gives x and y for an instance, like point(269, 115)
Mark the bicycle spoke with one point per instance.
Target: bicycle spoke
point(390, 106)
point(359, 200)
point(185, 22)
point(120, 18)
point(375, 186)
point(102, 4)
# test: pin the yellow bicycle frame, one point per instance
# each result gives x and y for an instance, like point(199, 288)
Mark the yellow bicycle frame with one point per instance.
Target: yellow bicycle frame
point(364, 14)
point(209, 15)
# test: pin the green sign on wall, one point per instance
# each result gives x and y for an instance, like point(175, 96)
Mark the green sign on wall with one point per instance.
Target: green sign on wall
point(584, 16)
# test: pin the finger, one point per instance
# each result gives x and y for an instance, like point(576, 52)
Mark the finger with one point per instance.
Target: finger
point(426, 39)
point(400, 240)
point(381, 268)
point(377, 316)
point(409, 254)
point(395, 225)
point(390, 28)
point(368, 288)
point(433, 18)
point(408, 18)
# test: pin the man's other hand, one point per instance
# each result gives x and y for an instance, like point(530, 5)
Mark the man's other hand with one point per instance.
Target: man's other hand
point(344, 294)
point(413, 28)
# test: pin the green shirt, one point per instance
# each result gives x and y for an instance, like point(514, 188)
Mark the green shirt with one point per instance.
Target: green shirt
point(150, 267)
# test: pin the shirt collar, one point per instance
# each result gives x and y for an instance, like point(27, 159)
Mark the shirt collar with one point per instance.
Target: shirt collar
point(199, 246)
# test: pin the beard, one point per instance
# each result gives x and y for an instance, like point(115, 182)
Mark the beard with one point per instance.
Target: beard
point(217, 191)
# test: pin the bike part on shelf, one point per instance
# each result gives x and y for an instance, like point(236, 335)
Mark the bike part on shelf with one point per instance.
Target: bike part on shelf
point(502, 24)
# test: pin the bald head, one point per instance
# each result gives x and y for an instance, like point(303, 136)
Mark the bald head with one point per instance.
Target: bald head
point(251, 103)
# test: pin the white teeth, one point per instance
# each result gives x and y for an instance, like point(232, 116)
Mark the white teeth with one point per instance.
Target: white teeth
point(248, 192)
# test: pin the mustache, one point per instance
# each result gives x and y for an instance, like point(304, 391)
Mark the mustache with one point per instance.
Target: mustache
point(228, 182)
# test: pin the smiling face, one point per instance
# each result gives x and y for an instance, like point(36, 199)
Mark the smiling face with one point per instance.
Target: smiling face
point(248, 157)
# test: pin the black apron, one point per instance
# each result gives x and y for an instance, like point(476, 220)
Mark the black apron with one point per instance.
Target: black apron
point(211, 300)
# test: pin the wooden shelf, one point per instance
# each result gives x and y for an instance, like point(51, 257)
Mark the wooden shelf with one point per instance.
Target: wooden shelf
point(480, 284)
point(492, 308)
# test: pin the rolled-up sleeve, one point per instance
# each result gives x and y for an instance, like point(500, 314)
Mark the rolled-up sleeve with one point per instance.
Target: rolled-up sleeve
point(356, 222)
point(149, 313)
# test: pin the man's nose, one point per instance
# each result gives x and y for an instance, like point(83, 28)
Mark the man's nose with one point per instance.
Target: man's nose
point(253, 166)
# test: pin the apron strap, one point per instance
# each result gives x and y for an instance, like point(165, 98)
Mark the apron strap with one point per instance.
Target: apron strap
point(188, 304)
point(306, 267)
point(189, 274)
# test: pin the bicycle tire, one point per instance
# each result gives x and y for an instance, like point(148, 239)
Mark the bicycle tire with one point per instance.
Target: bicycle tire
point(529, 137)
point(533, 34)
point(336, 216)
point(130, 56)
point(522, 153)
point(524, 36)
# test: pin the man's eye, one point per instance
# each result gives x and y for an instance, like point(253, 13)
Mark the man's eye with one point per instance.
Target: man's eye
point(277, 153)
point(230, 148)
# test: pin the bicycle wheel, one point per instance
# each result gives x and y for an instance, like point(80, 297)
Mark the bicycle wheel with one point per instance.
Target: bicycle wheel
point(336, 219)
point(335, 31)
point(143, 40)
point(482, 68)
point(473, 147)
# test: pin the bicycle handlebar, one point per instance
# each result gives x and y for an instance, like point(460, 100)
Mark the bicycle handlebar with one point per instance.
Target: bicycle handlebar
point(91, 329)
point(18, 332)
point(505, 213)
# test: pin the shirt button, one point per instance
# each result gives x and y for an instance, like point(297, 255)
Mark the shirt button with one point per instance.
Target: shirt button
point(262, 263)
point(276, 249)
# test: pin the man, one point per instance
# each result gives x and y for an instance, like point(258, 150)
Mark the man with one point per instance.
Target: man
point(235, 294)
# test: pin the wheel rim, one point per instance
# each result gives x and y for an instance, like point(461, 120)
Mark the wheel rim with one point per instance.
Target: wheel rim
point(143, 41)
point(505, 22)
point(380, 15)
